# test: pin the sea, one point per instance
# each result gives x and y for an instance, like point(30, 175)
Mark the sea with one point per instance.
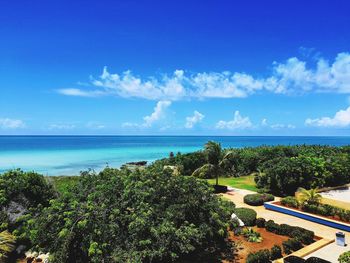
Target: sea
point(69, 155)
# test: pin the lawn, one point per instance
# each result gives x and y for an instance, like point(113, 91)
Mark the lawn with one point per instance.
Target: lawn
point(243, 182)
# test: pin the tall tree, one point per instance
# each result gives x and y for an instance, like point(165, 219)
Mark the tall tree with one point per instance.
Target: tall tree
point(213, 153)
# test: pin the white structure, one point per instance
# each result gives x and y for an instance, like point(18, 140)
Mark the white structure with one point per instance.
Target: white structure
point(234, 217)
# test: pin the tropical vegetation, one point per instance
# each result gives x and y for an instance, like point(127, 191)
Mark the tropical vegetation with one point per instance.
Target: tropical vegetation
point(280, 170)
point(120, 216)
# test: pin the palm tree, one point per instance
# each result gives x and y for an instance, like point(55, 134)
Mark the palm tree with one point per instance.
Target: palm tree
point(309, 196)
point(7, 244)
point(213, 154)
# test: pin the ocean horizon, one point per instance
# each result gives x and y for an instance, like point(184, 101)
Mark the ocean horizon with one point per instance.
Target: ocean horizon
point(69, 154)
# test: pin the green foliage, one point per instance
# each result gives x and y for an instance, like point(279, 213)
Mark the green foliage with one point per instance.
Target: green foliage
point(251, 235)
point(317, 208)
point(16, 185)
point(276, 252)
point(279, 169)
point(344, 258)
point(291, 245)
point(247, 215)
point(261, 256)
point(303, 235)
point(63, 184)
point(316, 260)
point(312, 168)
point(141, 216)
point(205, 172)
point(7, 244)
point(290, 201)
point(260, 222)
point(258, 199)
point(310, 197)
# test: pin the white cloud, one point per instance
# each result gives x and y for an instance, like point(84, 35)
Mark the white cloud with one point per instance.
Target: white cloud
point(6, 123)
point(193, 120)
point(264, 122)
point(238, 122)
point(157, 114)
point(61, 126)
point(95, 125)
point(292, 76)
point(283, 126)
point(80, 93)
point(340, 119)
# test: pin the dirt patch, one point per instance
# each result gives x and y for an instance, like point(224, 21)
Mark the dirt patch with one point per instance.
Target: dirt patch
point(245, 247)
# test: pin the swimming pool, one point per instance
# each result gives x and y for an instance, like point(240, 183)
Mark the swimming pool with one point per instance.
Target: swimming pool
point(341, 194)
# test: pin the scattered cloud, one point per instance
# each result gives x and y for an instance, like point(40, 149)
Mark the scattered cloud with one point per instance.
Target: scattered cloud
point(293, 76)
point(80, 93)
point(340, 119)
point(95, 125)
point(238, 122)
point(6, 123)
point(61, 126)
point(282, 126)
point(264, 122)
point(157, 114)
point(193, 120)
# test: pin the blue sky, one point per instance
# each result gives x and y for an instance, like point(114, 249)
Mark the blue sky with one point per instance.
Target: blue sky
point(175, 67)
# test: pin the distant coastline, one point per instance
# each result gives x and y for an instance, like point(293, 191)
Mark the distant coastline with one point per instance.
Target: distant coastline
point(69, 154)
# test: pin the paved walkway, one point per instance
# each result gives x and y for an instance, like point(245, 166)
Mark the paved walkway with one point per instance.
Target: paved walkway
point(237, 195)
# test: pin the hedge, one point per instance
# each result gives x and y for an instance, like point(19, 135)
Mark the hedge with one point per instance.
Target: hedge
point(260, 222)
point(293, 259)
point(261, 256)
point(258, 199)
point(317, 260)
point(247, 215)
point(290, 201)
point(302, 234)
point(319, 209)
point(291, 245)
point(276, 252)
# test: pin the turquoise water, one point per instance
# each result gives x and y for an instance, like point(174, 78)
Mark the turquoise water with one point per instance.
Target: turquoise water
point(68, 155)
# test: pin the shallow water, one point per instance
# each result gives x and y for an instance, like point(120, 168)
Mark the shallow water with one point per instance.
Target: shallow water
point(68, 155)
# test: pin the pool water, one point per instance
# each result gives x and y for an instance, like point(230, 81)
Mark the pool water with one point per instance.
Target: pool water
point(341, 194)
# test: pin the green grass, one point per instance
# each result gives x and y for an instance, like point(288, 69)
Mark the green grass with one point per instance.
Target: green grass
point(63, 183)
point(243, 182)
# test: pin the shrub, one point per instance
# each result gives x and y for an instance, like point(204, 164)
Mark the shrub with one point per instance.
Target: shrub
point(285, 230)
point(290, 201)
point(344, 258)
point(260, 222)
point(252, 236)
point(276, 252)
point(261, 256)
point(305, 236)
point(247, 215)
point(294, 259)
point(328, 210)
point(271, 226)
point(258, 199)
point(344, 215)
point(316, 260)
point(291, 245)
